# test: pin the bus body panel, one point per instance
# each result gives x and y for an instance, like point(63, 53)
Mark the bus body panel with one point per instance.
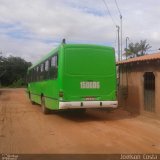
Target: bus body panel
point(49, 89)
point(76, 69)
point(82, 66)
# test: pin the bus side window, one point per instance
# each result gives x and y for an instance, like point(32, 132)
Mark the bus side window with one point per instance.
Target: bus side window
point(33, 74)
point(42, 71)
point(46, 74)
point(37, 73)
point(54, 67)
point(49, 68)
point(28, 77)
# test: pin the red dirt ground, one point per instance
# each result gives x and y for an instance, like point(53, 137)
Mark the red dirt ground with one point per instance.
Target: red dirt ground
point(25, 129)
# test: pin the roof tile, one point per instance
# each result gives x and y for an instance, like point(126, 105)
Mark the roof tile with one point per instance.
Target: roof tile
point(148, 57)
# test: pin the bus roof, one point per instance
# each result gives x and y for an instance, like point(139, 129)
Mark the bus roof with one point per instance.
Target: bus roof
point(44, 58)
point(52, 52)
point(86, 46)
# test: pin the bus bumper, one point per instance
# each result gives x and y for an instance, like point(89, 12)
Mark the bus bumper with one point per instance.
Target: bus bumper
point(88, 104)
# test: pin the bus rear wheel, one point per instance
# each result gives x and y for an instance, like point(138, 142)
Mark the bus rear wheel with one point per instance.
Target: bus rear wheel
point(31, 99)
point(44, 109)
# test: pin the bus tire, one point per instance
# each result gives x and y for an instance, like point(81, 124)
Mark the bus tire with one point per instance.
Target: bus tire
point(44, 109)
point(31, 99)
point(33, 103)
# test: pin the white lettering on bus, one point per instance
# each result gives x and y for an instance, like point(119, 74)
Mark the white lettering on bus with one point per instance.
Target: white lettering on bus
point(90, 85)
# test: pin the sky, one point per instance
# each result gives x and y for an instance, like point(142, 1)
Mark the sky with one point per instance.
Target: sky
point(31, 28)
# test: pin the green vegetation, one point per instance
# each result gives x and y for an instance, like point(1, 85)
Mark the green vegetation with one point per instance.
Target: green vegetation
point(13, 71)
point(137, 49)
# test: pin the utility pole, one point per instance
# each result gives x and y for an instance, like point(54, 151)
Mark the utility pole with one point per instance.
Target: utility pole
point(127, 38)
point(121, 35)
point(118, 43)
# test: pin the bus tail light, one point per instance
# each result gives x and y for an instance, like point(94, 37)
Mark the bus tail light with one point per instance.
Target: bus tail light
point(61, 94)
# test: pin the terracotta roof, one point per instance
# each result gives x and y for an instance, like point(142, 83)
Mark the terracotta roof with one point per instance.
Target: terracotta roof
point(149, 57)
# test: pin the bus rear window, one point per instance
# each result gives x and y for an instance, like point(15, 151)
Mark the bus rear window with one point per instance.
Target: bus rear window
point(89, 61)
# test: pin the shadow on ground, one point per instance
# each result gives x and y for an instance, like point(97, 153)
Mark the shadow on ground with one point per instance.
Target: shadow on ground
point(103, 114)
point(96, 115)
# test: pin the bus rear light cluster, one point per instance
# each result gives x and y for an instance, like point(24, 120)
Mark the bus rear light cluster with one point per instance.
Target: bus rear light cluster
point(61, 94)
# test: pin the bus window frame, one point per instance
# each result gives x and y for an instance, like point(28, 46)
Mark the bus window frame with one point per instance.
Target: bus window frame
point(54, 66)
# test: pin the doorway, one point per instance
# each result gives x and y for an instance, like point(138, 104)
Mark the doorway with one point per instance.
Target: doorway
point(149, 92)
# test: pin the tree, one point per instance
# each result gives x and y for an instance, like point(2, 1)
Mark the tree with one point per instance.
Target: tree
point(12, 70)
point(2, 69)
point(144, 46)
point(137, 49)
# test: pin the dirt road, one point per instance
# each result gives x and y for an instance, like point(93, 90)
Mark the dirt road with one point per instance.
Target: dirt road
point(24, 129)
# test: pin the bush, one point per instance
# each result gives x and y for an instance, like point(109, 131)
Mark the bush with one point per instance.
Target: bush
point(17, 84)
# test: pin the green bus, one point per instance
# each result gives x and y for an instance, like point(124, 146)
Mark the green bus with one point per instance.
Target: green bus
point(74, 76)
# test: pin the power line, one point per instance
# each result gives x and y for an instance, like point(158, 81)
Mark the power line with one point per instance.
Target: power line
point(118, 8)
point(114, 23)
point(120, 26)
point(107, 8)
